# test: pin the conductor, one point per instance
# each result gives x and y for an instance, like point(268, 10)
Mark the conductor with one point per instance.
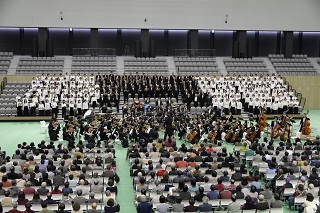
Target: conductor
point(168, 125)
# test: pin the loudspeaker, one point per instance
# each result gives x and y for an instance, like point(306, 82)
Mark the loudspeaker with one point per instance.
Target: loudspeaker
point(152, 51)
point(235, 49)
point(249, 50)
point(137, 48)
point(50, 48)
point(34, 51)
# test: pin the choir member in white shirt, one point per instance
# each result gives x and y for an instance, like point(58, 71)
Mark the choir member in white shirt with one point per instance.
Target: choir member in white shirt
point(71, 107)
point(25, 104)
point(280, 106)
point(94, 101)
point(246, 103)
point(64, 108)
point(54, 107)
point(250, 105)
point(285, 104)
point(47, 108)
point(268, 106)
point(33, 106)
point(79, 106)
point(256, 105)
point(239, 107)
point(226, 106)
point(41, 108)
point(85, 106)
point(19, 107)
point(220, 104)
point(233, 106)
point(275, 107)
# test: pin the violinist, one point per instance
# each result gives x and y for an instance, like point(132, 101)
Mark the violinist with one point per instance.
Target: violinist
point(230, 117)
point(54, 128)
point(89, 134)
point(103, 133)
point(182, 131)
point(68, 131)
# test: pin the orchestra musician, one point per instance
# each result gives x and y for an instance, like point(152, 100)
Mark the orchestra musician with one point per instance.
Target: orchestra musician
point(168, 126)
point(305, 124)
point(230, 117)
point(53, 129)
point(68, 132)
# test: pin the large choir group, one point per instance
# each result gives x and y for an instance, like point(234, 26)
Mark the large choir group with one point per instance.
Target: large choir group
point(75, 94)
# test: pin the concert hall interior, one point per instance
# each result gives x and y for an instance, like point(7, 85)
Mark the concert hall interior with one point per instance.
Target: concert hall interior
point(159, 106)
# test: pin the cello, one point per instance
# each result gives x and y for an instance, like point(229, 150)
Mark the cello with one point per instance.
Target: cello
point(213, 137)
point(275, 132)
point(191, 135)
point(306, 126)
point(229, 134)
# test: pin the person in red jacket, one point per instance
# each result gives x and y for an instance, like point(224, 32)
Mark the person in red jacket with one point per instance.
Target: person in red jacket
point(162, 170)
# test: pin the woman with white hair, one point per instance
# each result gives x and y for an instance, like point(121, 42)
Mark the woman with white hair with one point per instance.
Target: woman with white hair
point(312, 190)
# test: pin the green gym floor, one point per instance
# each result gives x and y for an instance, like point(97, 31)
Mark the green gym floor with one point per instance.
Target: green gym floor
point(12, 133)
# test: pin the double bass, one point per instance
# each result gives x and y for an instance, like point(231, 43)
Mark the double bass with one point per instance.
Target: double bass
point(306, 126)
point(262, 121)
point(286, 128)
point(284, 136)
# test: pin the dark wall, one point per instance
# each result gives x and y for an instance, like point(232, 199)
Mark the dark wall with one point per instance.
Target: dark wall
point(10, 40)
point(296, 43)
point(310, 43)
point(204, 39)
point(158, 37)
point(81, 38)
point(267, 43)
point(107, 38)
point(60, 38)
point(20, 40)
point(223, 41)
point(177, 40)
point(29, 34)
point(129, 38)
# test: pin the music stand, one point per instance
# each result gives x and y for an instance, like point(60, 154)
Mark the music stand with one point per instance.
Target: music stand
point(116, 140)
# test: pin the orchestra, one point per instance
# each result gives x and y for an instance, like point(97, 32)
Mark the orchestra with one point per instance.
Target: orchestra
point(154, 107)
